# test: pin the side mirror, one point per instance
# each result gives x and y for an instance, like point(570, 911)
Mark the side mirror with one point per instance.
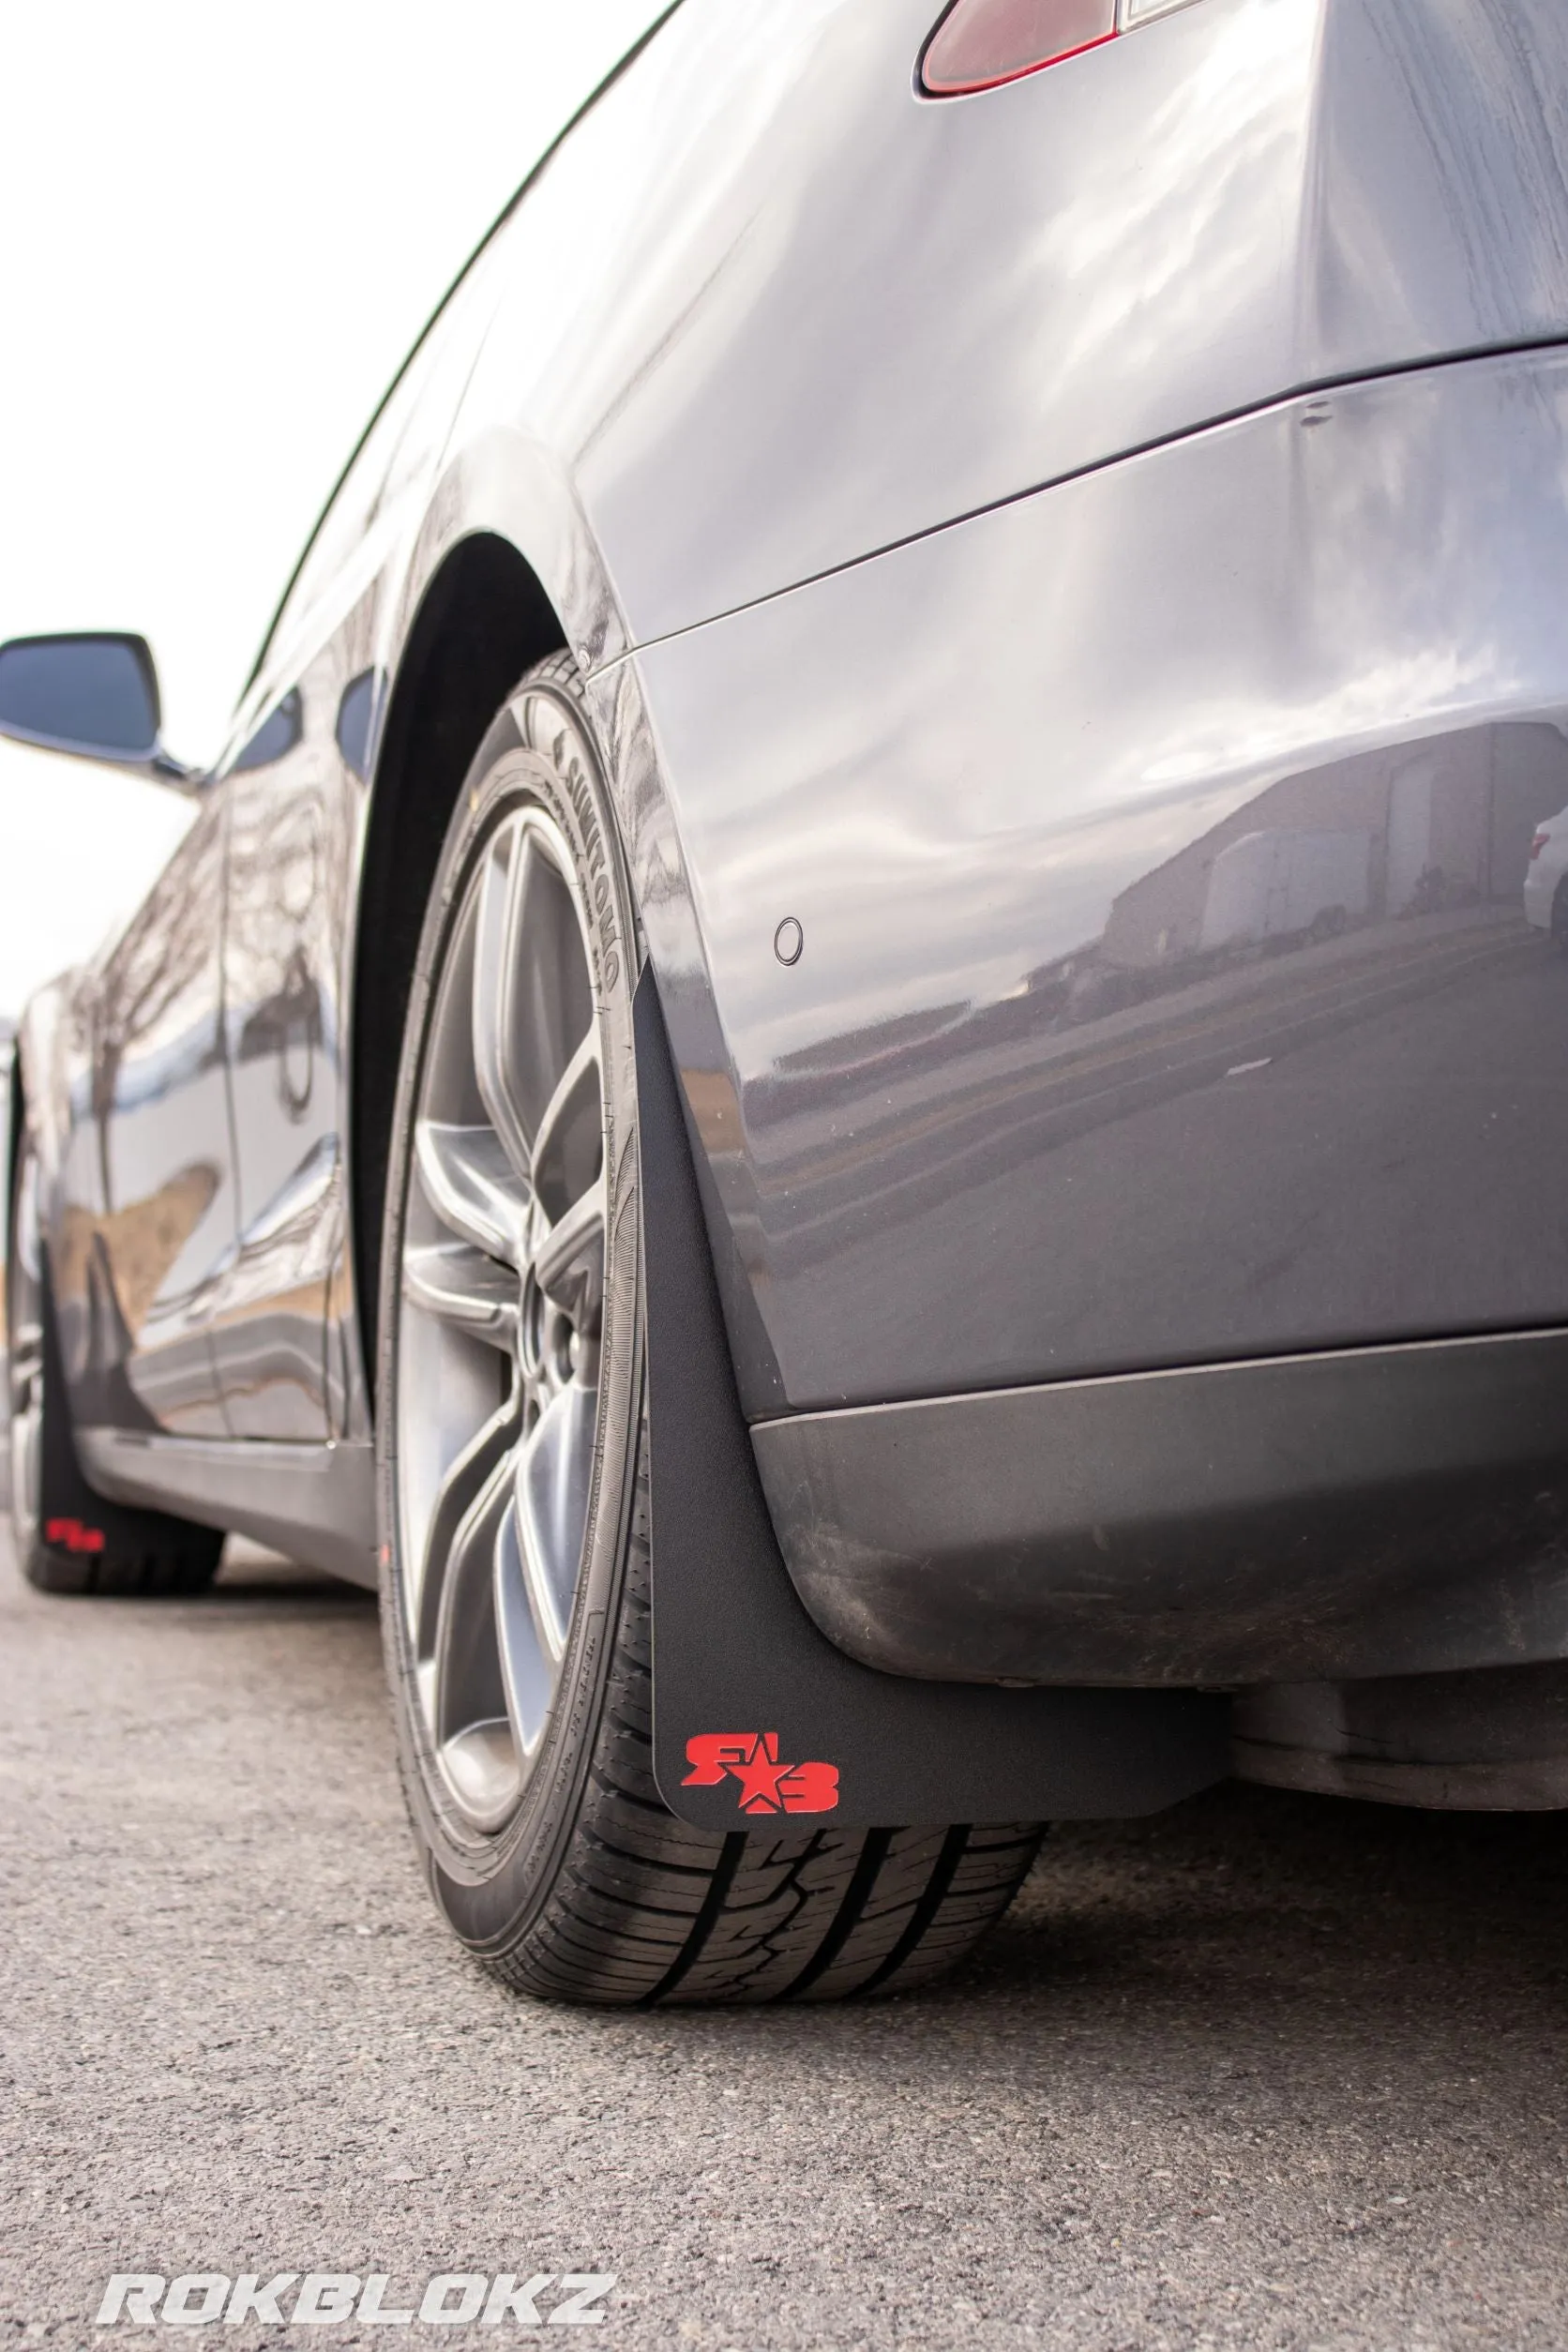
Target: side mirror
point(94, 696)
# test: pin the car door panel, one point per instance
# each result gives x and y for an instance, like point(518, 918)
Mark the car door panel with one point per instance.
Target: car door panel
point(147, 1212)
point(283, 1328)
point(289, 847)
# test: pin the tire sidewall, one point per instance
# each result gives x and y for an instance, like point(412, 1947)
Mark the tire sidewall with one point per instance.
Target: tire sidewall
point(538, 752)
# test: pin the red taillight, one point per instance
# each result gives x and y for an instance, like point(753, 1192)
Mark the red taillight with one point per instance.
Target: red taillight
point(1538, 845)
point(982, 43)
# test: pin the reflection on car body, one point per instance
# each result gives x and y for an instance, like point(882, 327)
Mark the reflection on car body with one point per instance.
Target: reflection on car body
point(1545, 905)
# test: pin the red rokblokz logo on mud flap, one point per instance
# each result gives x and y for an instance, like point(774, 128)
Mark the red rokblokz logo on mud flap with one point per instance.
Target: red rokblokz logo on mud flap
point(73, 1536)
point(766, 1785)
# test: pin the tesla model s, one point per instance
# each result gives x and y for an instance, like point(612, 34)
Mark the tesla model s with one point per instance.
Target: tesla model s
point(846, 1066)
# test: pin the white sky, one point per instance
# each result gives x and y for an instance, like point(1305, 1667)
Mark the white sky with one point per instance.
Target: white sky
point(223, 227)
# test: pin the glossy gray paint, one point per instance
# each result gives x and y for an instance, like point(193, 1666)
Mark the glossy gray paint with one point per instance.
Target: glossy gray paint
point(145, 1207)
point(1158, 844)
point(291, 824)
point(831, 314)
point(766, 311)
point(316, 1502)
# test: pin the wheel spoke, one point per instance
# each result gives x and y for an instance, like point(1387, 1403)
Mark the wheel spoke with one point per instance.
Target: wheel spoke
point(463, 1287)
point(554, 1475)
point(568, 1141)
point(483, 1457)
point(26, 1358)
point(570, 1266)
point(532, 1003)
point(551, 996)
point(473, 1187)
point(528, 1667)
point(503, 894)
point(468, 1696)
point(29, 1256)
point(483, 1766)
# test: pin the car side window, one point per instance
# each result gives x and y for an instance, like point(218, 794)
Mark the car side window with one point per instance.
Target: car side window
point(358, 716)
point(277, 735)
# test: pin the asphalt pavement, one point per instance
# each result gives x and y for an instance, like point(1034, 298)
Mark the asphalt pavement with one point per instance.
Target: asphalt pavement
point(1265, 2070)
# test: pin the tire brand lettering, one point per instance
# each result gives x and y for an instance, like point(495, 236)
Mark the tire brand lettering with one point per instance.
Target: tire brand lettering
point(766, 1784)
point(580, 792)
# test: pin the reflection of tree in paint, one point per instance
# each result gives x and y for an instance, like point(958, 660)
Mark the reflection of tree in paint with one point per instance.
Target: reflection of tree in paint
point(156, 1001)
point(290, 850)
point(132, 1248)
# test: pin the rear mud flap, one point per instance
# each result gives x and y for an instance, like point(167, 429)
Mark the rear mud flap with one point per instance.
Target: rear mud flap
point(756, 1714)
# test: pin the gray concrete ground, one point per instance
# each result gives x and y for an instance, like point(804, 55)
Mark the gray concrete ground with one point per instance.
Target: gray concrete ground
point(1267, 2070)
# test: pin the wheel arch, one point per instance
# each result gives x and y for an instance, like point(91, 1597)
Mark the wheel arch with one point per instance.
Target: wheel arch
point(484, 617)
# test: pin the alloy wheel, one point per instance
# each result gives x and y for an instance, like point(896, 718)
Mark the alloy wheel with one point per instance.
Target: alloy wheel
point(502, 1297)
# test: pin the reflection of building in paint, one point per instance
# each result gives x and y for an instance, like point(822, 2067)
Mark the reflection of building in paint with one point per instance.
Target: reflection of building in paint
point(1388, 834)
point(1267, 885)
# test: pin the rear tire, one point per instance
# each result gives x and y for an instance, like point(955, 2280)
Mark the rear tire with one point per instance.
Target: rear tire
point(66, 1538)
point(513, 1473)
point(647, 1910)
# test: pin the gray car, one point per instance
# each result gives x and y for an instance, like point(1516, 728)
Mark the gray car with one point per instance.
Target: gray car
point(846, 1065)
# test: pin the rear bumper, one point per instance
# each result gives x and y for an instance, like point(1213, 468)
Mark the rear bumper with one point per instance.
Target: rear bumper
point(1382, 1511)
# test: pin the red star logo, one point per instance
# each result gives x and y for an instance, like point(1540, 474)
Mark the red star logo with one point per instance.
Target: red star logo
point(760, 1775)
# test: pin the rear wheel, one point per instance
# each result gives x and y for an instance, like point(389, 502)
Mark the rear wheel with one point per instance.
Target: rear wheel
point(66, 1538)
point(512, 1476)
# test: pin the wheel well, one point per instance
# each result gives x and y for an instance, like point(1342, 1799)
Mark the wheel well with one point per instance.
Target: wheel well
point(484, 621)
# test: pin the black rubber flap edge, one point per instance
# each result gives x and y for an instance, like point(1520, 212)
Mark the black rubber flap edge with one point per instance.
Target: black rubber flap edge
point(756, 1714)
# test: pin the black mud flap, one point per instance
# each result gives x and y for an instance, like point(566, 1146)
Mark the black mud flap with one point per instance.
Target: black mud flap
point(756, 1714)
point(74, 1521)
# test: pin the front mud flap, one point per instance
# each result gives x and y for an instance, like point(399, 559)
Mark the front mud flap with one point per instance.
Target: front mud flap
point(756, 1714)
